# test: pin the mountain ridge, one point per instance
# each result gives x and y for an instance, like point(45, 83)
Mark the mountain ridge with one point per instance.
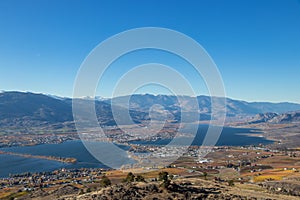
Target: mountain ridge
point(275, 118)
point(19, 109)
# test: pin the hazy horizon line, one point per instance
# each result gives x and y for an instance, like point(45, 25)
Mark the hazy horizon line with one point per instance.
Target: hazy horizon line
point(153, 94)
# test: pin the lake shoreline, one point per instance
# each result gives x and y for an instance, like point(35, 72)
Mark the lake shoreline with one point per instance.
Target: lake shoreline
point(52, 158)
point(84, 159)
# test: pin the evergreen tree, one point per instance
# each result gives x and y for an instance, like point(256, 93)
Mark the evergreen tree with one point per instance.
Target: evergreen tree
point(105, 181)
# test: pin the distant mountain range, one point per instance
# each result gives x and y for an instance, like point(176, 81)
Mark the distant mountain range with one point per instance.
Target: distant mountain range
point(275, 118)
point(19, 109)
point(233, 107)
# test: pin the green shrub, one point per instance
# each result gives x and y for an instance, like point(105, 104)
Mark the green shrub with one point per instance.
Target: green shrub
point(140, 178)
point(105, 181)
point(231, 183)
point(129, 178)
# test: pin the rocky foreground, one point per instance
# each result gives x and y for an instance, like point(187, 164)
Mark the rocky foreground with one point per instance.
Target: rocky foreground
point(179, 189)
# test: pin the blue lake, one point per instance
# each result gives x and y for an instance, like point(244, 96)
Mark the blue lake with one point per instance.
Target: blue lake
point(229, 137)
point(10, 164)
point(15, 164)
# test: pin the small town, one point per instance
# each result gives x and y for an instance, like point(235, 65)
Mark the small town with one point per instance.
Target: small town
point(224, 164)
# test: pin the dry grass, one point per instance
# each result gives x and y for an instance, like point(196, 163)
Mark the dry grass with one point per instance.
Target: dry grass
point(154, 173)
point(277, 175)
point(249, 187)
point(118, 175)
point(10, 194)
point(228, 174)
point(267, 177)
point(5, 193)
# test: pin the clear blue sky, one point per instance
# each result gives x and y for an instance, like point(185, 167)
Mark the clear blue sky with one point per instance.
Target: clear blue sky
point(255, 43)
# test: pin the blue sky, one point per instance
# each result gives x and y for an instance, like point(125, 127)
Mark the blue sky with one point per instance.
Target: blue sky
point(255, 43)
